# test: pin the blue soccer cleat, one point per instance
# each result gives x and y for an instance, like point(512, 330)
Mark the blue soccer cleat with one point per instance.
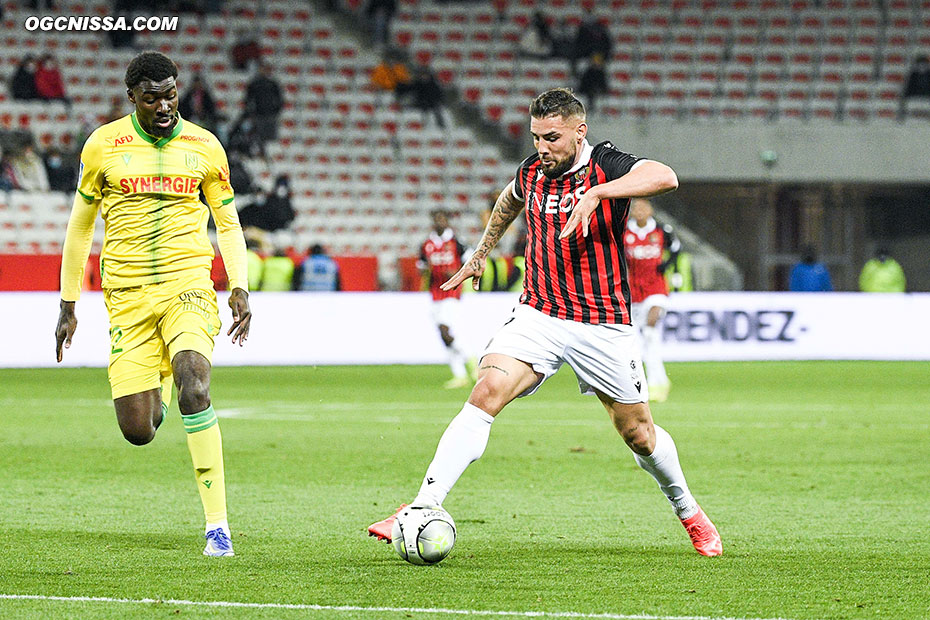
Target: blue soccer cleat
point(218, 544)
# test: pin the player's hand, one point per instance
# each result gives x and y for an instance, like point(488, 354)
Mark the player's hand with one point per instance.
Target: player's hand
point(473, 269)
point(241, 315)
point(581, 214)
point(67, 325)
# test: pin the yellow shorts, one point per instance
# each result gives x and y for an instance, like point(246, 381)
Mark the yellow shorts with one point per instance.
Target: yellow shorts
point(150, 324)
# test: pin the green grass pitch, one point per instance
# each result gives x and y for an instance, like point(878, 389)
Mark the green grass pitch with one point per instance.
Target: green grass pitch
point(815, 473)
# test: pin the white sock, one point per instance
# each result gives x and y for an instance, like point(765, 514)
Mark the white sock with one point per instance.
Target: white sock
point(663, 465)
point(213, 526)
point(462, 443)
point(652, 356)
point(456, 361)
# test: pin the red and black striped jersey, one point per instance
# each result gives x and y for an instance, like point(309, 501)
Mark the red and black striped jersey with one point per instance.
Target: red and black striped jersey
point(579, 278)
point(644, 248)
point(440, 257)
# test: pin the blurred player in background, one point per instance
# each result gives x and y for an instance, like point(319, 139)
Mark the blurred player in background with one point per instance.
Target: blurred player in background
point(441, 255)
point(575, 306)
point(144, 173)
point(650, 249)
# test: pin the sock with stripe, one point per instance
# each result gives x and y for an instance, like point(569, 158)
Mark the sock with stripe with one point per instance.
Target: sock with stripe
point(461, 444)
point(206, 447)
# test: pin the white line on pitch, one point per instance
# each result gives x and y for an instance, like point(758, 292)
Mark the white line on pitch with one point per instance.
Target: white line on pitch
point(405, 610)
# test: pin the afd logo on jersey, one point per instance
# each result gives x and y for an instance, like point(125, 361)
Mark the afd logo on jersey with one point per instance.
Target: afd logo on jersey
point(557, 203)
point(731, 326)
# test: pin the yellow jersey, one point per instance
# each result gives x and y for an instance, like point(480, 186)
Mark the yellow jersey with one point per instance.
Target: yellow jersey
point(147, 191)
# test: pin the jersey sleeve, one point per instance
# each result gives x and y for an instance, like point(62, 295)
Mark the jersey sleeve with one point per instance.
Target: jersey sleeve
point(613, 161)
point(216, 187)
point(90, 175)
point(220, 199)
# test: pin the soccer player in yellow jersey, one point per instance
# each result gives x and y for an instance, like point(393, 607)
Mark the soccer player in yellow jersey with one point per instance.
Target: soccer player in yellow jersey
point(143, 173)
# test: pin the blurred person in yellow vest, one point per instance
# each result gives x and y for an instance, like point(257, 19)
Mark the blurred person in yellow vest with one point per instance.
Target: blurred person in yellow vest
point(255, 263)
point(278, 274)
point(882, 274)
point(679, 274)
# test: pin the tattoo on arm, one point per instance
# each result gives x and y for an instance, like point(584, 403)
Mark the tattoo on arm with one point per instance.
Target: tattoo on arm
point(490, 366)
point(505, 211)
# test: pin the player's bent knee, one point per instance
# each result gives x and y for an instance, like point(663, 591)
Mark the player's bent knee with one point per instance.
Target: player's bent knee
point(138, 434)
point(639, 439)
point(489, 394)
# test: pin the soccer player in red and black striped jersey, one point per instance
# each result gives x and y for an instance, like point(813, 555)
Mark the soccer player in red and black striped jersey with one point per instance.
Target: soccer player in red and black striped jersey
point(646, 244)
point(575, 306)
point(441, 256)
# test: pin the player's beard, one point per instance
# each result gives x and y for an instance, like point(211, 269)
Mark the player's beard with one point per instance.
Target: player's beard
point(561, 167)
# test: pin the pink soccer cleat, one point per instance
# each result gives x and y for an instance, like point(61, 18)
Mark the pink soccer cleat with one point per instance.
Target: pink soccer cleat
point(703, 534)
point(382, 529)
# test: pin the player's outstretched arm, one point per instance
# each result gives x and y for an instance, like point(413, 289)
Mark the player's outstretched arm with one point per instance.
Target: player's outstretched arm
point(505, 211)
point(241, 315)
point(650, 178)
point(67, 325)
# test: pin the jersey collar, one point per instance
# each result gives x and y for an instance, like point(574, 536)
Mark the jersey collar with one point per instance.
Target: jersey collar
point(156, 142)
point(447, 234)
point(645, 230)
point(586, 150)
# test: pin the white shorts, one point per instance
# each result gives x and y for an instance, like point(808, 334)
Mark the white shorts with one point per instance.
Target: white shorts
point(446, 312)
point(605, 358)
point(639, 312)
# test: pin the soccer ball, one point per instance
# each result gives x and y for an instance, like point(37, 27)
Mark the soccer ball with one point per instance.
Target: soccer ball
point(423, 534)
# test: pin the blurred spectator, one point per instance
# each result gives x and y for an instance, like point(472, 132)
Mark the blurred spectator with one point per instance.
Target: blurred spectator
point(29, 171)
point(592, 38)
point(60, 170)
point(263, 103)
point(882, 274)
point(239, 176)
point(278, 274)
point(272, 212)
point(317, 272)
point(593, 82)
point(244, 139)
point(6, 173)
point(809, 275)
point(427, 94)
point(49, 84)
point(536, 41)
point(563, 40)
point(245, 51)
point(23, 82)
point(380, 13)
point(391, 74)
point(918, 82)
point(116, 111)
point(198, 105)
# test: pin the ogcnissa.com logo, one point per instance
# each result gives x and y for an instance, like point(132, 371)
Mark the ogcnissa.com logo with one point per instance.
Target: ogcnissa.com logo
point(64, 23)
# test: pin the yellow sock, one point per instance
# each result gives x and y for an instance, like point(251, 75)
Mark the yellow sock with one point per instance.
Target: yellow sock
point(206, 447)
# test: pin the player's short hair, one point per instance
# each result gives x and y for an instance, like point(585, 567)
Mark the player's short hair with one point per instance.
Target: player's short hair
point(149, 65)
point(557, 102)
